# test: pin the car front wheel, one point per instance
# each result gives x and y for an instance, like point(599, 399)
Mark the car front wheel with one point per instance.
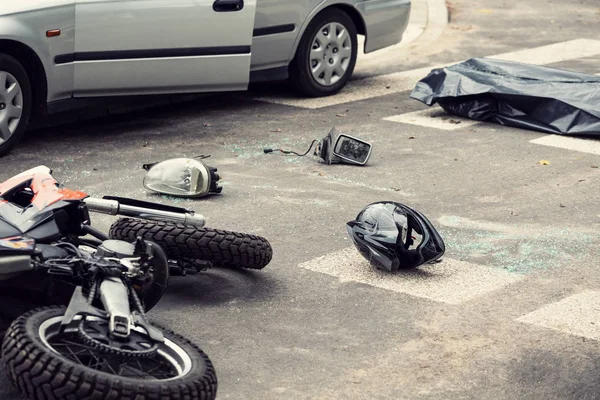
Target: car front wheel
point(15, 102)
point(326, 55)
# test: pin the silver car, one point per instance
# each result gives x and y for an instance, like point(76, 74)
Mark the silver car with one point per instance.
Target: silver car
point(56, 51)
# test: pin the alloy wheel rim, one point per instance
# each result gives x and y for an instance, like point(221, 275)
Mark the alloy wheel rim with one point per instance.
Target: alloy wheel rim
point(330, 54)
point(11, 105)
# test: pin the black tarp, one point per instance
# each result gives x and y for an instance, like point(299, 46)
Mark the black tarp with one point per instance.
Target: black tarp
point(526, 96)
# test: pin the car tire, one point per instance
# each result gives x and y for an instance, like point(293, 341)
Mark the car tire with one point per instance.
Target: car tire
point(308, 73)
point(15, 102)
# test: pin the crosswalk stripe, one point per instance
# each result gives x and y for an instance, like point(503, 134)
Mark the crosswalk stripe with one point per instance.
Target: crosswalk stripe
point(451, 281)
point(569, 143)
point(367, 88)
point(576, 315)
point(434, 117)
point(554, 53)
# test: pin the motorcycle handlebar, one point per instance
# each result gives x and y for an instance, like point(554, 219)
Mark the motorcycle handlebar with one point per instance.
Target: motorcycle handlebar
point(113, 207)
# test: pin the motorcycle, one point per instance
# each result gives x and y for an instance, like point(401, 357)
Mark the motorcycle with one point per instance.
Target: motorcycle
point(79, 298)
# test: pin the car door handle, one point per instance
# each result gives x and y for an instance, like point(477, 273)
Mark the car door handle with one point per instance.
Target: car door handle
point(228, 5)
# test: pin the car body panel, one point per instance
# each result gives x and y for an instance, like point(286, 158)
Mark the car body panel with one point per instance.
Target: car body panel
point(273, 50)
point(120, 31)
point(153, 46)
point(385, 23)
point(27, 23)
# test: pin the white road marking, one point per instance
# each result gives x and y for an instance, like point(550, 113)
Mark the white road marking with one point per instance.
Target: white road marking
point(434, 117)
point(451, 281)
point(554, 53)
point(569, 143)
point(576, 315)
point(367, 88)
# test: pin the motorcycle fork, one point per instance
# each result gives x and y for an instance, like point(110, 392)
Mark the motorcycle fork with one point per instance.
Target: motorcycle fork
point(115, 298)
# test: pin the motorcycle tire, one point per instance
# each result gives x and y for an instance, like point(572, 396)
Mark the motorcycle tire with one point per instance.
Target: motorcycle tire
point(222, 248)
point(32, 353)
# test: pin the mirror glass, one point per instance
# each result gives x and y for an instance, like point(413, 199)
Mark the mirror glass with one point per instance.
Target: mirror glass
point(352, 149)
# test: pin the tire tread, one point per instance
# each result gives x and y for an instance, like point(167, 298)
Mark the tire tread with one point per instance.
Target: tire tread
point(41, 375)
point(222, 248)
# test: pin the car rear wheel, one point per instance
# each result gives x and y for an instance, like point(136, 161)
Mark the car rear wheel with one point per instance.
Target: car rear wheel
point(15, 102)
point(326, 55)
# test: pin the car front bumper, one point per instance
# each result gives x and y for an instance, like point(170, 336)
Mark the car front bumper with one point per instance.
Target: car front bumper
point(385, 21)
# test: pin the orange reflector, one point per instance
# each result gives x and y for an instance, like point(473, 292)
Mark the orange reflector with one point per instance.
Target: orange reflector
point(53, 33)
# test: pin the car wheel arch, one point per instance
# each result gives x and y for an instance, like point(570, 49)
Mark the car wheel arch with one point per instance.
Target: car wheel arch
point(351, 11)
point(35, 71)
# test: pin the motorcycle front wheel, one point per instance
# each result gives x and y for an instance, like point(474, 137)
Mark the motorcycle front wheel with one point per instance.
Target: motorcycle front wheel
point(44, 364)
point(222, 248)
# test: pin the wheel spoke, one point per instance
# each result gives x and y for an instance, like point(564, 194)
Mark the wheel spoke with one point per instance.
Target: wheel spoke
point(107, 363)
point(3, 76)
point(5, 132)
point(317, 54)
point(330, 31)
point(342, 36)
point(318, 69)
point(328, 75)
point(154, 369)
point(12, 92)
point(345, 52)
point(321, 39)
point(140, 368)
point(14, 111)
point(339, 70)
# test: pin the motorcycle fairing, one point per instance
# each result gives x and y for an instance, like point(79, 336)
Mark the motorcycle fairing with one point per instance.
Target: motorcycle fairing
point(45, 196)
point(16, 246)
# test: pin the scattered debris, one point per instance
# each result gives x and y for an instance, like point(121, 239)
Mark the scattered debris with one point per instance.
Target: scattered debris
point(461, 28)
point(521, 95)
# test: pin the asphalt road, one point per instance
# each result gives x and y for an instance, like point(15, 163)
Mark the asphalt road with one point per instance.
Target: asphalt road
point(520, 236)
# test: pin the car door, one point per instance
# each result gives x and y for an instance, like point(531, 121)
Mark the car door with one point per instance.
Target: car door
point(159, 46)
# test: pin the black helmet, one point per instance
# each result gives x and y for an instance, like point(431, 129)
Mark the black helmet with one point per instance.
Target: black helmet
point(391, 236)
